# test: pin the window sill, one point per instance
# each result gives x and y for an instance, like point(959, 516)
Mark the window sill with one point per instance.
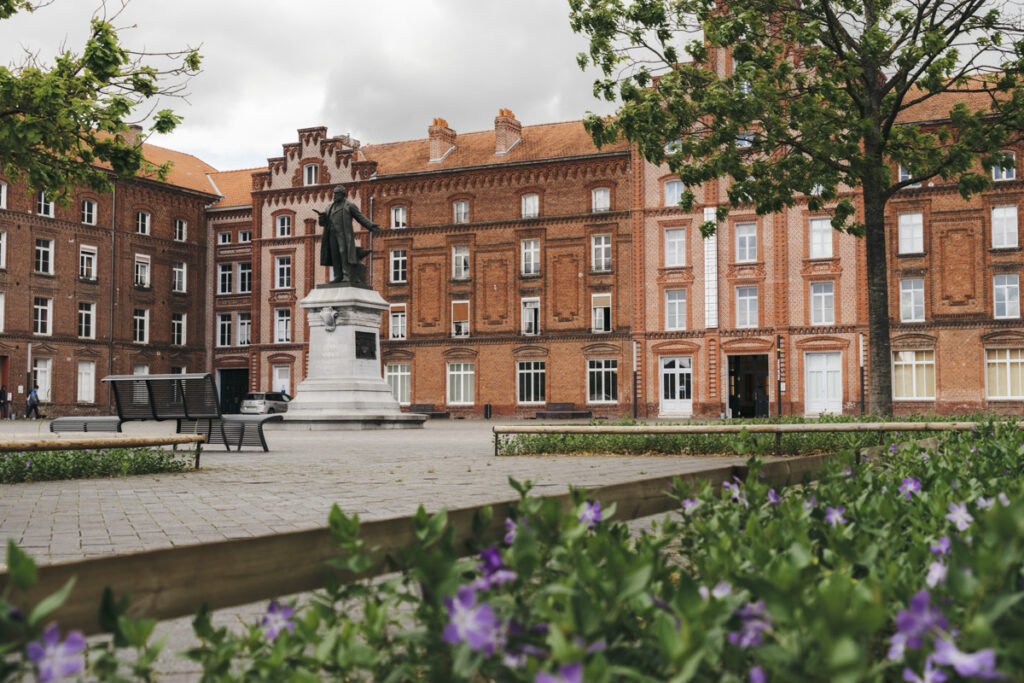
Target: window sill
point(602, 403)
point(399, 282)
point(593, 331)
point(911, 254)
point(607, 271)
point(529, 276)
point(179, 292)
point(460, 281)
point(41, 274)
point(1006, 317)
point(911, 322)
point(88, 280)
point(143, 288)
point(913, 400)
point(1015, 249)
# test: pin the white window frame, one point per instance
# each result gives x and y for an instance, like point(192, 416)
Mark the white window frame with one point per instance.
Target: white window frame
point(398, 266)
point(819, 239)
point(1004, 227)
point(311, 174)
point(904, 175)
point(140, 326)
point(399, 217)
point(283, 272)
point(911, 233)
point(460, 262)
point(3, 310)
point(461, 328)
point(601, 200)
point(42, 375)
point(3, 249)
point(529, 205)
point(244, 236)
point(601, 253)
point(244, 320)
point(823, 303)
point(674, 192)
point(282, 326)
point(914, 362)
point(460, 211)
point(224, 278)
point(399, 378)
point(675, 247)
point(244, 274)
point(281, 378)
point(1002, 173)
point(3, 195)
point(143, 222)
point(182, 333)
point(746, 242)
point(224, 330)
point(529, 250)
point(398, 320)
point(89, 207)
point(747, 313)
point(601, 313)
point(283, 225)
point(143, 271)
point(86, 323)
point(460, 383)
point(912, 300)
point(224, 237)
point(45, 254)
point(531, 382)
point(179, 277)
point(44, 207)
point(1005, 362)
point(602, 375)
point(42, 316)
point(529, 316)
point(1006, 295)
point(675, 309)
point(88, 262)
point(85, 385)
point(180, 230)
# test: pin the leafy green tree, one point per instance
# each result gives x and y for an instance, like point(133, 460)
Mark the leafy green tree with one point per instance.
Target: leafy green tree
point(816, 107)
point(66, 124)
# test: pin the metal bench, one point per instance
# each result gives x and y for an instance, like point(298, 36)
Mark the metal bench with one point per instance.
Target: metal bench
point(236, 430)
point(85, 423)
point(562, 411)
point(429, 409)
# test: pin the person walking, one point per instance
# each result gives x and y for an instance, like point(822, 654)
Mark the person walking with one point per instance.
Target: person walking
point(32, 404)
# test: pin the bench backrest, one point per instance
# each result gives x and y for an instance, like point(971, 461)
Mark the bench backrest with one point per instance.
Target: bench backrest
point(164, 397)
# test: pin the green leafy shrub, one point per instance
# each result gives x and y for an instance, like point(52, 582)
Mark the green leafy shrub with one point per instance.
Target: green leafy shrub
point(889, 570)
point(87, 464)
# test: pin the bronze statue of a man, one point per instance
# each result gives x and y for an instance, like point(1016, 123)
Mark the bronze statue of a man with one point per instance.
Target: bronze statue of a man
point(338, 247)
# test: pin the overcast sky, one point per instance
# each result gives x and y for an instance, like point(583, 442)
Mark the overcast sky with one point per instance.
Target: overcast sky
point(378, 69)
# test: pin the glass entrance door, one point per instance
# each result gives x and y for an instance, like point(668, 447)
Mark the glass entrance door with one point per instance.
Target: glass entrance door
point(676, 374)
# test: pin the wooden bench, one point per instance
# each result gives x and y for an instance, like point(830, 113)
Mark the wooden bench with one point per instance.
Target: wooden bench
point(85, 423)
point(562, 411)
point(430, 410)
point(192, 401)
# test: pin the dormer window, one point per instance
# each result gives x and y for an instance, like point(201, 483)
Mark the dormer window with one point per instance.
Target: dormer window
point(310, 174)
point(1006, 170)
point(600, 199)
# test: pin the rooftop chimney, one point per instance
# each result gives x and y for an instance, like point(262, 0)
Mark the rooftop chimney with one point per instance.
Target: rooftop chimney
point(133, 136)
point(508, 132)
point(442, 139)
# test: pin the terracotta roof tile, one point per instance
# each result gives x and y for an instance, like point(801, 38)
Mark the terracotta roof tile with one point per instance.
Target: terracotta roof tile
point(540, 142)
point(235, 186)
point(937, 108)
point(187, 171)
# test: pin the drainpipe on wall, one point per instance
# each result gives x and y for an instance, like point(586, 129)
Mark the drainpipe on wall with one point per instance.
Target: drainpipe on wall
point(113, 286)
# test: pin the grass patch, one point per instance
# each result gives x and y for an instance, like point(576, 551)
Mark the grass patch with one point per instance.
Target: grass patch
point(89, 464)
point(722, 444)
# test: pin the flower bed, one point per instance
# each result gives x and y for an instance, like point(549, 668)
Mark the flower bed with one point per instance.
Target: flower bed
point(76, 464)
point(908, 568)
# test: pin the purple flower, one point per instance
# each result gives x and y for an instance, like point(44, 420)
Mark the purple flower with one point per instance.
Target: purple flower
point(721, 589)
point(930, 674)
point(914, 622)
point(941, 546)
point(848, 471)
point(984, 503)
point(278, 618)
point(757, 675)
point(959, 516)
point(981, 664)
point(590, 514)
point(773, 497)
point(737, 494)
point(810, 503)
point(1004, 500)
point(834, 516)
point(936, 574)
point(690, 504)
point(909, 487)
point(55, 660)
point(493, 570)
point(510, 530)
point(755, 622)
point(893, 448)
point(570, 673)
point(473, 624)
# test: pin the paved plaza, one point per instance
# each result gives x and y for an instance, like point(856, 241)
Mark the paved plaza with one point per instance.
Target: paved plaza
point(377, 474)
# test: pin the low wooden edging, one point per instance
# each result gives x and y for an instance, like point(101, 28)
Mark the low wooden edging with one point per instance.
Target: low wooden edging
point(776, 429)
point(14, 446)
point(175, 582)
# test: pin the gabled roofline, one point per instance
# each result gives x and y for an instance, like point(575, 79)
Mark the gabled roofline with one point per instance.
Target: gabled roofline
point(500, 165)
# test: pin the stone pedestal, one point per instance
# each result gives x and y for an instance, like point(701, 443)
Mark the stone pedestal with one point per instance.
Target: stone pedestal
point(343, 388)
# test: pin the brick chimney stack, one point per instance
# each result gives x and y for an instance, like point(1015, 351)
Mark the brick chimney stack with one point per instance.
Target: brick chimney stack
point(133, 136)
point(442, 139)
point(508, 132)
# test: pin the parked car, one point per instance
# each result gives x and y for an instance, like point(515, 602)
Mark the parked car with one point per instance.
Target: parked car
point(268, 402)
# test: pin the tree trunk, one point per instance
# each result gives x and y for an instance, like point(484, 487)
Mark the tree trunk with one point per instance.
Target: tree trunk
point(880, 356)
